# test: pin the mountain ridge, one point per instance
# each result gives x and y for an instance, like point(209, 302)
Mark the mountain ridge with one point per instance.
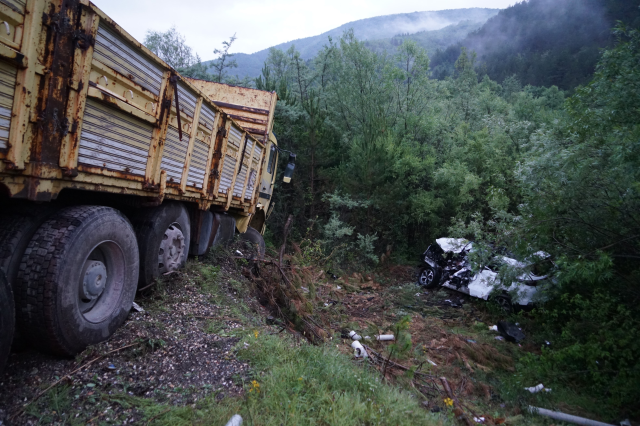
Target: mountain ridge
point(374, 28)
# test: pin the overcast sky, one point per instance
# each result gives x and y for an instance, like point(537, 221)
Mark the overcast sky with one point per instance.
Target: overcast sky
point(260, 24)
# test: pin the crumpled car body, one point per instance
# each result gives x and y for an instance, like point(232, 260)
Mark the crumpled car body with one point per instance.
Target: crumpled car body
point(446, 263)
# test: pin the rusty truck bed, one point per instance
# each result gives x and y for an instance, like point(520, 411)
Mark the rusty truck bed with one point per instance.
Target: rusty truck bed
point(83, 105)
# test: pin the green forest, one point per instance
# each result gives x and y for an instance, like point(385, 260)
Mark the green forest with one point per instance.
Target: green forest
point(389, 158)
point(543, 42)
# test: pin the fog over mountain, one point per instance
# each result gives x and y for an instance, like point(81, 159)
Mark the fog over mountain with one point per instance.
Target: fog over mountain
point(376, 28)
point(543, 42)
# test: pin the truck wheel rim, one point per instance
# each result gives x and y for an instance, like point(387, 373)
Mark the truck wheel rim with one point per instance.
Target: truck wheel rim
point(171, 249)
point(101, 281)
point(426, 277)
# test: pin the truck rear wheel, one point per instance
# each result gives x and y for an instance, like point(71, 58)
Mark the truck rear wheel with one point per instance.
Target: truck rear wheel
point(7, 319)
point(164, 235)
point(77, 279)
point(254, 243)
point(17, 226)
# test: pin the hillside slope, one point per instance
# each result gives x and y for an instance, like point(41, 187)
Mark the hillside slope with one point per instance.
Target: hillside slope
point(543, 42)
point(376, 28)
point(431, 41)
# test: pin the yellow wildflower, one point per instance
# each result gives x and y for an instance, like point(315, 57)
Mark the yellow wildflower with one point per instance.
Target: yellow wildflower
point(255, 333)
point(448, 402)
point(255, 386)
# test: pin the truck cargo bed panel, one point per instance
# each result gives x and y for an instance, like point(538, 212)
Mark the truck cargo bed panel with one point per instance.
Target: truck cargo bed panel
point(113, 51)
point(175, 152)
point(114, 140)
point(198, 164)
point(7, 88)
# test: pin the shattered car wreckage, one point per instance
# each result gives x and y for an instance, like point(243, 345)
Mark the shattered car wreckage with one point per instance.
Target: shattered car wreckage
point(446, 263)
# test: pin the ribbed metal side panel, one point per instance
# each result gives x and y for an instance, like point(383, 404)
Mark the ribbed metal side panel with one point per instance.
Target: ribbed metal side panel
point(115, 52)
point(238, 188)
point(226, 177)
point(207, 116)
point(114, 140)
point(251, 184)
point(255, 165)
point(187, 99)
point(174, 154)
point(7, 89)
point(198, 164)
point(17, 5)
point(235, 136)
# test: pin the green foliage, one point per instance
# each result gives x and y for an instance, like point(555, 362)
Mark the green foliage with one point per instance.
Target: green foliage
point(224, 61)
point(171, 47)
point(391, 160)
point(401, 347)
point(542, 42)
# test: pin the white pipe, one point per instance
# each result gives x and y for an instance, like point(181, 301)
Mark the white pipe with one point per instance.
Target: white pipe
point(384, 337)
point(236, 420)
point(359, 350)
point(354, 335)
point(566, 417)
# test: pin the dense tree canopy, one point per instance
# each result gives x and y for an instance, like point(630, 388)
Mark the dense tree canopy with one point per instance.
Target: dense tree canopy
point(389, 159)
point(543, 42)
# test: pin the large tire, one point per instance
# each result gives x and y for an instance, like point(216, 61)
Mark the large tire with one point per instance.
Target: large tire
point(17, 226)
point(254, 243)
point(77, 279)
point(429, 277)
point(164, 235)
point(7, 320)
point(224, 228)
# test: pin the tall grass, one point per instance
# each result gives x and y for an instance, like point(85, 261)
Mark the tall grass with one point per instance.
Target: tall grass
point(300, 384)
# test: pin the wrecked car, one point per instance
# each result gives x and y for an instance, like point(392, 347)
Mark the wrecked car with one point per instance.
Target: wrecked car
point(446, 263)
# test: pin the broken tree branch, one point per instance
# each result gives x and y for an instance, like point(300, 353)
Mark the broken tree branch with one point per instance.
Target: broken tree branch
point(456, 403)
point(287, 228)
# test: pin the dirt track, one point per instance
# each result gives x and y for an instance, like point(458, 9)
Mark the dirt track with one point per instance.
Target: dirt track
point(176, 352)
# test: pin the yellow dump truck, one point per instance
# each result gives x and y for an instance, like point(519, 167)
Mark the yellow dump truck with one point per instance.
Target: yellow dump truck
point(113, 169)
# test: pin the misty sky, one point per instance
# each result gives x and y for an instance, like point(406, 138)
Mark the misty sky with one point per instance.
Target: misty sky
point(259, 24)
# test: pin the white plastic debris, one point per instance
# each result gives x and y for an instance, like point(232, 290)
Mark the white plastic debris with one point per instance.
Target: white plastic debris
point(137, 307)
point(478, 419)
point(538, 388)
point(384, 337)
point(239, 253)
point(359, 352)
point(499, 338)
point(493, 328)
point(432, 363)
point(236, 420)
point(625, 422)
point(367, 338)
point(566, 417)
point(338, 287)
point(354, 335)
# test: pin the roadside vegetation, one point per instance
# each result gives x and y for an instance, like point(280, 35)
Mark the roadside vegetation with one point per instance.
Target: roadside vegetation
point(390, 159)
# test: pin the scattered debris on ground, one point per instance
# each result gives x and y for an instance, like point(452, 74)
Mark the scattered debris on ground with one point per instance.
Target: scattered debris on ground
point(180, 346)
